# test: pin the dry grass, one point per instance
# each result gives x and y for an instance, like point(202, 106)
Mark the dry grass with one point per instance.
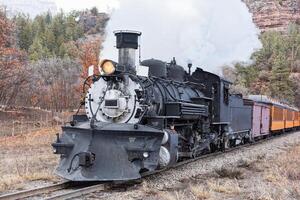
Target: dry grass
point(22, 120)
point(227, 187)
point(247, 164)
point(231, 172)
point(289, 164)
point(200, 192)
point(279, 177)
point(176, 195)
point(260, 178)
point(210, 189)
point(148, 190)
point(285, 168)
point(27, 158)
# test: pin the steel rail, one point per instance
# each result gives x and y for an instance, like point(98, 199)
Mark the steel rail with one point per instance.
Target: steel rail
point(39, 192)
point(78, 192)
point(36, 191)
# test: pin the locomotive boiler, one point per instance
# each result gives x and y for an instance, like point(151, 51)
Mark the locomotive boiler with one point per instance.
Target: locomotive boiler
point(146, 116)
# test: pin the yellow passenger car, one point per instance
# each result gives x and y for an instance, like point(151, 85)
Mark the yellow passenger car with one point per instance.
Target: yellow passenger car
point(296, 119)
point(289, 118)
point(299, 118)
point(277, 118)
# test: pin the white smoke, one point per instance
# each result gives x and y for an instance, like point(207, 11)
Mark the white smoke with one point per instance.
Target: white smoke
point(210, 33)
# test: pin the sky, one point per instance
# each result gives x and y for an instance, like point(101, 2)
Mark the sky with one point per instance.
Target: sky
point(102, 5)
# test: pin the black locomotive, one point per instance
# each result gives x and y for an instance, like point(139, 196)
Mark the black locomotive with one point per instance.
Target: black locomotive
point(142, 118)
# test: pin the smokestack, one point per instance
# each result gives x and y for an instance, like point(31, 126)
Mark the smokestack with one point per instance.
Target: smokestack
point(127, 43)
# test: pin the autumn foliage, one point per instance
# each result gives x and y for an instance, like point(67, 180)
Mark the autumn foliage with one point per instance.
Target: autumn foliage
point(90, 55)
point(5, 31)
point(44, 61)
point(12, 63)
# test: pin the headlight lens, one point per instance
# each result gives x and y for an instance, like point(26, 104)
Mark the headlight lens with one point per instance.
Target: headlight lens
point(108, 67)
point(145, 154)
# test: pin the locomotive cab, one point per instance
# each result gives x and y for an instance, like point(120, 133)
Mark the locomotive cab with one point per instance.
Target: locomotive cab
point(230, 115)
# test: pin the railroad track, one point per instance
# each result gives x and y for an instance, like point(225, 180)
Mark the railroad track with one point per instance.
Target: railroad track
point(36, 191)
point(68, 190)
point(79, 192)
point(64, 190)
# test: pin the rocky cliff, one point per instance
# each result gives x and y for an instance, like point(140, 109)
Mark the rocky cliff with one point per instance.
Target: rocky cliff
point(274, 15)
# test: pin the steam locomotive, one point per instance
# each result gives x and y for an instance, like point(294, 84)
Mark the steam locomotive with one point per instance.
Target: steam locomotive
point(149, 116)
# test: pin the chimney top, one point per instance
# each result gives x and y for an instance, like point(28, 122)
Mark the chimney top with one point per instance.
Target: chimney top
point(127, 39)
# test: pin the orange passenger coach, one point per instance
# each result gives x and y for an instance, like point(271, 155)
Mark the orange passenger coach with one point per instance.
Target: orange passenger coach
point(296, 119)
point(289, 119)
point(277, 118)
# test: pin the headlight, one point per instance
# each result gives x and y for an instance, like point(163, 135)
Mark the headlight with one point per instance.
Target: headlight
point(108, 67)
point(145, 154)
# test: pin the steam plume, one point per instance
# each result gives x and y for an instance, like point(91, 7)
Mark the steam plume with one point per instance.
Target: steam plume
point(210, 33)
